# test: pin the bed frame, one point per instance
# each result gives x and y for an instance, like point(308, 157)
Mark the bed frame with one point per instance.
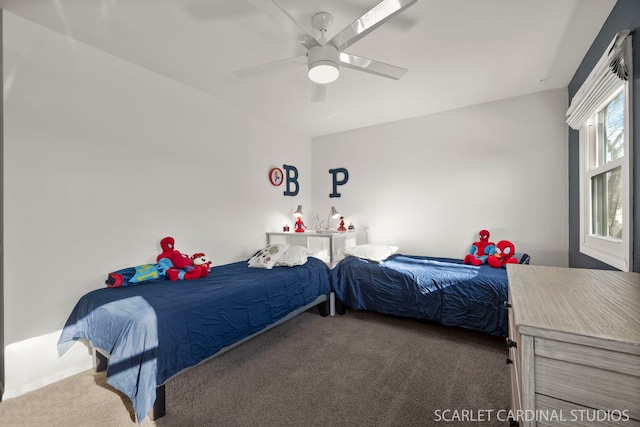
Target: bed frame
point(101, 357)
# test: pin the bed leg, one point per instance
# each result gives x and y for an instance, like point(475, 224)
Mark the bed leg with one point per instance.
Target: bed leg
point(332, 304)
point(340, 308)
point(323, 308)
point(159, 406)
point(100, 361)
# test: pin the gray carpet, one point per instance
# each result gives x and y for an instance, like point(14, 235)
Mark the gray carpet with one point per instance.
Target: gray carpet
point(360, 369)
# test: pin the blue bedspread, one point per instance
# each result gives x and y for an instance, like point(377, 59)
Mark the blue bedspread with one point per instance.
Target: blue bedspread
point(153, 331)
point(443, 290)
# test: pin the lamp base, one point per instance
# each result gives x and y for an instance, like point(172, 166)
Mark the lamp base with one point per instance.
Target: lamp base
point(325, 231)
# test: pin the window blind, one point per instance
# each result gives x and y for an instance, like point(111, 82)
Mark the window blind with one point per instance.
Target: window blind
point(613, 67)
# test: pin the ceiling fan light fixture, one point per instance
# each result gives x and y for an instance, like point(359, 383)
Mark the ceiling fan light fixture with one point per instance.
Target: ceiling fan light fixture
point(323, 72)
point(323, 64)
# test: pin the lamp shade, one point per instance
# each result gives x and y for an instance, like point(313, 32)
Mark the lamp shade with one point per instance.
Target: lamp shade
point(298, 212)
point(334, 213)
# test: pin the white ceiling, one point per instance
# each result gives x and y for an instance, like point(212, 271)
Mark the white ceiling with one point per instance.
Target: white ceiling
point(458, 52)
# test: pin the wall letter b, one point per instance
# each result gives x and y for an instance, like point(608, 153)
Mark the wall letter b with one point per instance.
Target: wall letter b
point(291, 173)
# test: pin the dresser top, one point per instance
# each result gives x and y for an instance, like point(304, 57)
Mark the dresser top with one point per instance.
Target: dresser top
point(596, 304)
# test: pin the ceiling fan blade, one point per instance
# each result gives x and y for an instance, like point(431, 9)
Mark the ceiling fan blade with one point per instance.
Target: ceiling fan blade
point(284, 20)
point(262, 68)
point(318, 92)
point(368, 22)
point(371, 66)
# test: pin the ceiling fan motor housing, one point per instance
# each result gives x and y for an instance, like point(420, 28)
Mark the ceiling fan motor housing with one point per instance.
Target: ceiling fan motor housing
point(323, 63)
point(322, 21)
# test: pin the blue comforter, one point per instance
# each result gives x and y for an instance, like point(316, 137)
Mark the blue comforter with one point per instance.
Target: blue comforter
point(443, 290)
point(155, 330)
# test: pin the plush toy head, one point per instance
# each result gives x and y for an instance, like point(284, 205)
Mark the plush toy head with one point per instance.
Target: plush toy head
point(504, 254)
point(201, 259)
point(505, 248)
point(202, 263)
point(484, 235)
point(167, 244)
point(167, 248)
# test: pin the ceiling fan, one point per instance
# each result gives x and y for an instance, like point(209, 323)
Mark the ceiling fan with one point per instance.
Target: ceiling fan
point(324, 57)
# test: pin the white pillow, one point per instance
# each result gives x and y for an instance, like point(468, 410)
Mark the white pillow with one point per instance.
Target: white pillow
point(267, 257)
point(376, 253)
point(295, 255)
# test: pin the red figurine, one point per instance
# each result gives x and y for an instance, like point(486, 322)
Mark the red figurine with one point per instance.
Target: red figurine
point(342, 227)
point(299, 225)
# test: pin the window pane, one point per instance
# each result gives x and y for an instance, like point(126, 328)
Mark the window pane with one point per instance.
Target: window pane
point(606, 204)
point(610, 139)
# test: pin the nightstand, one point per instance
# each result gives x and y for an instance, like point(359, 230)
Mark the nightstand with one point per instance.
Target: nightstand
point(326, 245)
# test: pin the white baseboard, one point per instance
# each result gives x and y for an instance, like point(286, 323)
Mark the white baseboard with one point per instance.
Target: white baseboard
point(34, 363)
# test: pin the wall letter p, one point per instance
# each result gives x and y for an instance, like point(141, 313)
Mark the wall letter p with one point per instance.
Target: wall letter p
point(336, 182)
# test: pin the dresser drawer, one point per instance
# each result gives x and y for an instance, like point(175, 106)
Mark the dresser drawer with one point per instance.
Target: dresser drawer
point(586, 385)
point(615, 361)
point(559, 413)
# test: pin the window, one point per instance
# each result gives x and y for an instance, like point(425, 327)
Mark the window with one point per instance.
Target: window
point(601, 111)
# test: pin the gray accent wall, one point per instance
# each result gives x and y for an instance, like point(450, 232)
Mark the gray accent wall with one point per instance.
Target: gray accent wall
point(625, 15)
point(1, 229)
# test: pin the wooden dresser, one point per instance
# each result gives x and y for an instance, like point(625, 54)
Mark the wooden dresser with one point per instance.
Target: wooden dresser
point(574, 346)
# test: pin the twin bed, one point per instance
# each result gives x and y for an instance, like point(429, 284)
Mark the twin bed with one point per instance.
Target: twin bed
point(146, 334)
point(153, 331)
point(443, 290)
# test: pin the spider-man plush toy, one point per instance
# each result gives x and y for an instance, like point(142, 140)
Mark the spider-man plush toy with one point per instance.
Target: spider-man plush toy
point(504, 255)
point(182, 268)
point(480, 250)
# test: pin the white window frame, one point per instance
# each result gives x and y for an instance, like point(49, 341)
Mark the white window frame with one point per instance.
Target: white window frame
point(614, 252)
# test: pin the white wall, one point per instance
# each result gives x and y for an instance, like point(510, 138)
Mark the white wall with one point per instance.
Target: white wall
point(429, 184)
point(104, 158)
